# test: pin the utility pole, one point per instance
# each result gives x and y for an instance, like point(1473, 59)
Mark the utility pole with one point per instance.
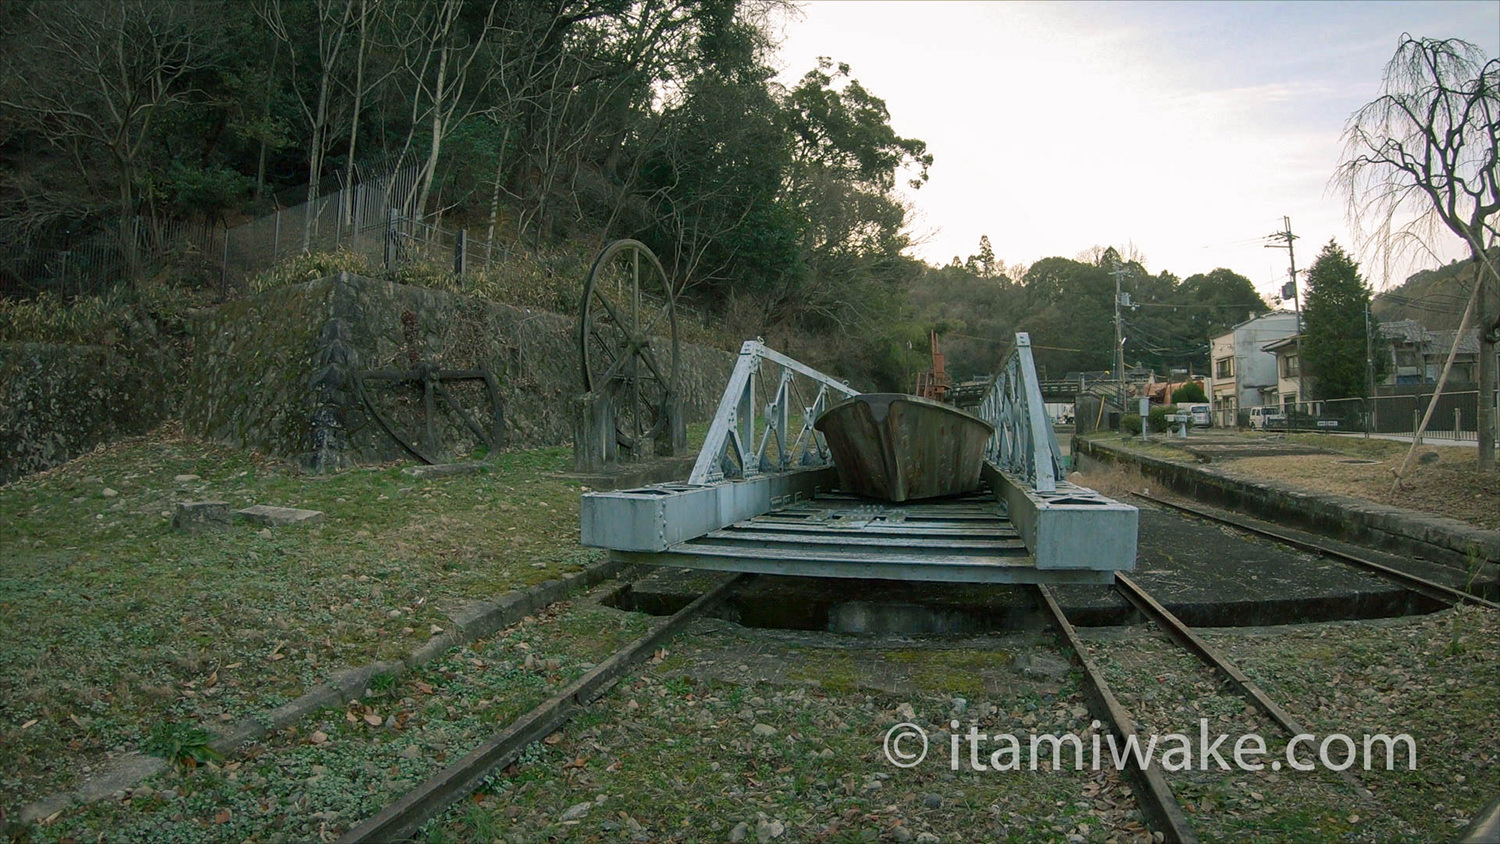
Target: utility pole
point(1372, 421)
point(1284, 240)
point(1119, 272)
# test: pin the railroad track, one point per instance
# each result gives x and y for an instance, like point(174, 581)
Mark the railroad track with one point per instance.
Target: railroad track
point(1158, 803)
point(1157, 800)
point(400, 820)
point(1153, 790)
point(1431, 589)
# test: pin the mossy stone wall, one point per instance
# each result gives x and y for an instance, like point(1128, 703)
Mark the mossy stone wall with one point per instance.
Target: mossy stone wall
point(275, 372)
point(57, 402)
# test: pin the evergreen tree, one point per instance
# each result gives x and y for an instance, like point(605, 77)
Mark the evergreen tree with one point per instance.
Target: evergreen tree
point(983, 264)
point(1333, 325)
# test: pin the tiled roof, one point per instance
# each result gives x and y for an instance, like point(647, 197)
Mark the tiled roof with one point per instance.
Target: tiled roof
point(1405, 331)
point(1439, 342)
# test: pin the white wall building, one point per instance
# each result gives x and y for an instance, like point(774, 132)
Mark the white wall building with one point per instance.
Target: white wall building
point(1243, 373)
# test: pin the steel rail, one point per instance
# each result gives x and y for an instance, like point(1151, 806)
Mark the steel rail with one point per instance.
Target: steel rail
point(1157, 802)
point(1421, 585)
point(401, 820)
point(1213, 657)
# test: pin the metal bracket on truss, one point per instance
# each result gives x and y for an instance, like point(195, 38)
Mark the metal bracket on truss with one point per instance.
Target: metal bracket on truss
point(733, 451)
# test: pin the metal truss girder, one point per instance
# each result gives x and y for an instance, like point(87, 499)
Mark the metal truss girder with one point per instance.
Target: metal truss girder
point(732, 448)
point(657, 517)
point(1070, 528)
point(1024, 443)
point(868, 569)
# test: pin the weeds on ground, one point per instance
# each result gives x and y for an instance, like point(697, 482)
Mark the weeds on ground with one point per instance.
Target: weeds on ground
point(108, 318)
point(112, 622)
point(183, 745)
point(547, 280)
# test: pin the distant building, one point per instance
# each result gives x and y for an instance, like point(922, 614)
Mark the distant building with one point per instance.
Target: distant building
point(1415, 355)
point(1243, 373)
point(1289, 378)
point(1160, 392)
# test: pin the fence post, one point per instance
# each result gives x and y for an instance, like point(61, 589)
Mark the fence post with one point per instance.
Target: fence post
point(1457, 423)
point(460, 253)
point(224, 263)
point(276, 238)
point(390, 226)
point(1416, 422)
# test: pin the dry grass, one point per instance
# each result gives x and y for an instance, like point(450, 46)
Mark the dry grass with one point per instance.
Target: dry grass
point(1442, 480)
point(111, 622)
point(1448, 485)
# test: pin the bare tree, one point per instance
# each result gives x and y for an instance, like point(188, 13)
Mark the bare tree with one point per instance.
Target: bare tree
point(333, 20)
point(367, 12)
point(94, 77)
point(1422, 157)
point(440, 61)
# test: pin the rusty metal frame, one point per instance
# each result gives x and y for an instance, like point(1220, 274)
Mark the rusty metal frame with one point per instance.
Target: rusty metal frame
point(431, 378)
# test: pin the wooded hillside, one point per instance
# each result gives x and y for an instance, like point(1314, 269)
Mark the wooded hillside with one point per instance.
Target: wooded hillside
point(1435, 298)
point(552, 124)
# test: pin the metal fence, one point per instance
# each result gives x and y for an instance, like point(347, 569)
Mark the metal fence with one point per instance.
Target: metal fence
point(137, 247)
point(368, 218)
point(1455, 415)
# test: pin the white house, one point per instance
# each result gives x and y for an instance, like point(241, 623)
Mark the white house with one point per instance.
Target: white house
point(1244, 373)
point(1290, 380)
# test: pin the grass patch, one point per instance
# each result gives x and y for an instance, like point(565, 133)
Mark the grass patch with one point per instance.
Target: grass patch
point(112, 622)
point(313, 781)
point(805, 763)
point(1398, 678)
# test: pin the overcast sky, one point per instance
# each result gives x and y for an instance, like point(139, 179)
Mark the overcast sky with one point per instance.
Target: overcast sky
point(1185, 129)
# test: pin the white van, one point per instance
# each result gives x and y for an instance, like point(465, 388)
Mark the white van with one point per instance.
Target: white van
point(1200, 413)
point(1267, 417)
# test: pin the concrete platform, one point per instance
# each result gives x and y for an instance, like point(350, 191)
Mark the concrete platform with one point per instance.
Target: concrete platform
point(1214, 576)
point(1404, 532)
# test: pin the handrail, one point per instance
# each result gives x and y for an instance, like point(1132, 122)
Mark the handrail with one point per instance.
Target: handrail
point(1023, 444)
point(732, 449)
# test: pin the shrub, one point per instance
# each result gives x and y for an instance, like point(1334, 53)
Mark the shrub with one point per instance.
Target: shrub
point(1130, 423)
point(1189, 393)
point(104, 319)
point(1158, 418)
point(311, 266)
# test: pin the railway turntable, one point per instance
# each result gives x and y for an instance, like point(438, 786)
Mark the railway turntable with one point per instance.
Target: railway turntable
point(764, 497)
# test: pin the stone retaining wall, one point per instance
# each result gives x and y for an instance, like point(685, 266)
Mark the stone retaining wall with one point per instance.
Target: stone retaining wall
point(1435, 538)
point(275, 372)
point(57, 402)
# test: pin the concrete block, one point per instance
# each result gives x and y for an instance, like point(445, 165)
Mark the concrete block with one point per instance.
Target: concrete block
point(199, 516)
point(262, 514)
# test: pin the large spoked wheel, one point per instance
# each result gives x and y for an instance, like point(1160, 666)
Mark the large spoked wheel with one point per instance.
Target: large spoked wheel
point(627, 338)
